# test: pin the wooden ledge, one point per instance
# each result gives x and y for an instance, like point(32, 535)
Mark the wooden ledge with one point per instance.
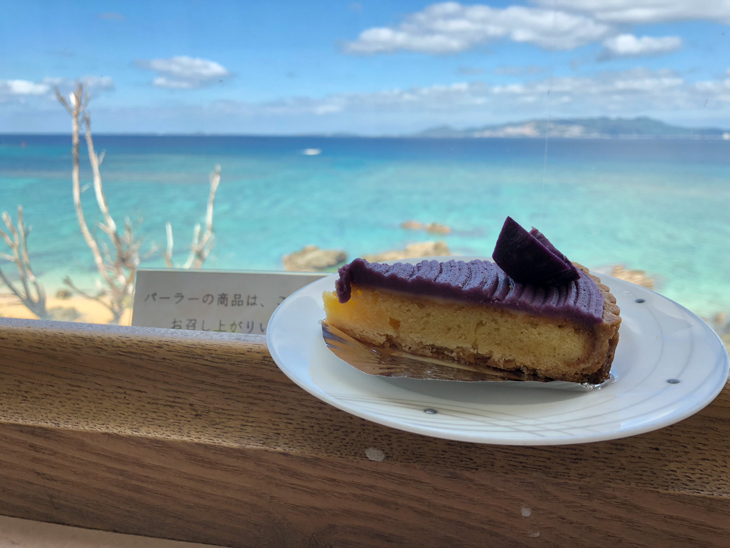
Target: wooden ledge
point(199, 436)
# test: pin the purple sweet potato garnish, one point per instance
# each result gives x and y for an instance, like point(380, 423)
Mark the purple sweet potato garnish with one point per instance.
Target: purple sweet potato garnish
point(530, 258)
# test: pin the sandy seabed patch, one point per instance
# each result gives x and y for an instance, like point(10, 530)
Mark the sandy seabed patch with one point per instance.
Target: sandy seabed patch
point(87, 311)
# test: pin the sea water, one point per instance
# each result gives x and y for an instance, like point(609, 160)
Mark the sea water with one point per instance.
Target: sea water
point(656, 205)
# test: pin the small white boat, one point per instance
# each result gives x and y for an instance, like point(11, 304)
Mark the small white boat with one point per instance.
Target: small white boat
point(312, 151)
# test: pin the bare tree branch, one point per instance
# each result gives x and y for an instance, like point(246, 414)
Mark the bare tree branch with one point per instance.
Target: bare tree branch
point(193, 246)
point(168, 252)
point(16, 239)
point(62, 100)
point(16, 247)
point(117, 264)
point(78, 99)
point(5, 237)
point(10, 285)
point(107, 255)
point(202, 245)
point(109, 226)
point(81, 292)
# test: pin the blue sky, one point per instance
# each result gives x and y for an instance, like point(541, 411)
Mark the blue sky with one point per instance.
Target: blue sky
point(369, 67)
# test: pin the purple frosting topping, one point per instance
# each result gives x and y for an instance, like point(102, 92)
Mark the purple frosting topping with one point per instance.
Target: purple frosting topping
point(480, 282)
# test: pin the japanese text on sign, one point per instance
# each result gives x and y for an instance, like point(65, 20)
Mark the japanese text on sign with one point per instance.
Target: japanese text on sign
point(227, 302)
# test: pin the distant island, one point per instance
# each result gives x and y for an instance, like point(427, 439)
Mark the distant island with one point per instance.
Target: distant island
point(580, 128)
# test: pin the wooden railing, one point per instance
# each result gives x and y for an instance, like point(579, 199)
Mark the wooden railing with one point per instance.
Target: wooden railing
point(199, 437)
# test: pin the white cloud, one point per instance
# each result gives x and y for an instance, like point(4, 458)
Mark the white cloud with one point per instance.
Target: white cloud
point(20, 90)
point(662, 94)
point(631, 92)
point(183, 72)
point(172, 83)
point(645, 11)
point(628, 45)
point(92, 82)
point(451, 27)
point(98, 82)
point(22, 87)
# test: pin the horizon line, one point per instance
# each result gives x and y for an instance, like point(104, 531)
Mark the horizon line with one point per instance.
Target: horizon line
point(595, 137)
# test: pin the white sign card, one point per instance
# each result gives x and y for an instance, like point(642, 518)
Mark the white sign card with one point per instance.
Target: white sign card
point(204, 300)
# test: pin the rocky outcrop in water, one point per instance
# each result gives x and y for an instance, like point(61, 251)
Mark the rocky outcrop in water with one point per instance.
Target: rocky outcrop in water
point(433, 228)
point(311, 259)
point(412, 251)
point(638, 277)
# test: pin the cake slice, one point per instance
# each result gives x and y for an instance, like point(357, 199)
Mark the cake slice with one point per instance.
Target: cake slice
point(475, 313)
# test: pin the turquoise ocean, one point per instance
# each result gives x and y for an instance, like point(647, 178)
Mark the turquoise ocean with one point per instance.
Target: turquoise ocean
point(662, 206)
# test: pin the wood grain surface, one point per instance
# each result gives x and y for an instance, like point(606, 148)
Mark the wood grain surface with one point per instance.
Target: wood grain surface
point(198, 436)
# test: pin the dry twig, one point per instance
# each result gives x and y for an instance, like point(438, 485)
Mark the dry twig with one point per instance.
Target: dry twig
point(117, 266)
point(202, 245)
point(118, 259)
point(17, 239)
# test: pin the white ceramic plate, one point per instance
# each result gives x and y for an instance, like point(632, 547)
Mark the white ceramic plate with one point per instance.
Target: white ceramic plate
point(669, 364)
